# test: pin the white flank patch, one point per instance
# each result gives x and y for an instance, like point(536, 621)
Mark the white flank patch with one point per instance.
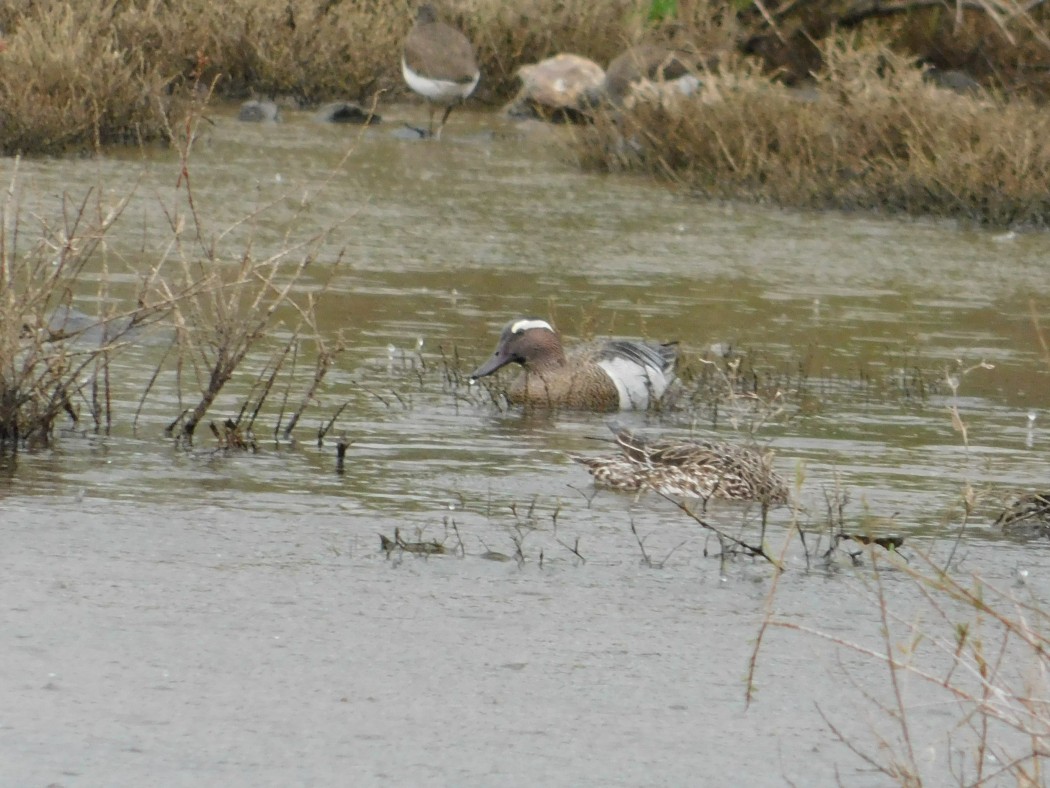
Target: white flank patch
point(525, 325)
point(636, 384)
point(440, 91)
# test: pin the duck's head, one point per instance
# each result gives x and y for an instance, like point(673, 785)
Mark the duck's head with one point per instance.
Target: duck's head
point(525, 340)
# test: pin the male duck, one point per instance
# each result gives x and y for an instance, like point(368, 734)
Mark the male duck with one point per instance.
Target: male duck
point(703, 469)
point(617, 374)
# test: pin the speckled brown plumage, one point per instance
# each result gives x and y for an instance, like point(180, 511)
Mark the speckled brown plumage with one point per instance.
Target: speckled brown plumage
point(704, 469)
point(1028, 516)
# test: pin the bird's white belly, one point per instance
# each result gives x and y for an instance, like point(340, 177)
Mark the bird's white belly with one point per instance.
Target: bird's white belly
point(439, 91)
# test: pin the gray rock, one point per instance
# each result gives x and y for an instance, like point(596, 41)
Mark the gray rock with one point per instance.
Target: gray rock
point(346, 112)
point(256, 111)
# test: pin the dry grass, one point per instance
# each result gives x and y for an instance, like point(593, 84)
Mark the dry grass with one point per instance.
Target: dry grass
point(68, 82)
point(873, 135)
point(77, 76)
point(978, 653)
point(55, 361)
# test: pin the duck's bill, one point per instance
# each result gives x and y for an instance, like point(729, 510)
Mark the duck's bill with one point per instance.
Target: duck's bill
point(496, 361)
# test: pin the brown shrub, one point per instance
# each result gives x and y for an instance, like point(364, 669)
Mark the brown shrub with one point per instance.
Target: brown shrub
point(310, 50)
point(874, 134)
point(76, 75)
point(67, 82)
point(54, 360)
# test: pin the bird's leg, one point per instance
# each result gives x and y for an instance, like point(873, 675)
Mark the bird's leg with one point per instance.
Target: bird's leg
point(444, 118)
point(430, 127)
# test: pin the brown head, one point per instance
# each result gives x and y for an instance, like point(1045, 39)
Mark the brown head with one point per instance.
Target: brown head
point(527, 341)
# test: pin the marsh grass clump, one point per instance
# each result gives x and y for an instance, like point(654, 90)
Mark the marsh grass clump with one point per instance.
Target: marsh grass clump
point(731, 384)
point(220, 323)
point(308, 51)
point(873, 134)
point(55, 360)
point(749, 385)
point(78, 76)
point(69, 82)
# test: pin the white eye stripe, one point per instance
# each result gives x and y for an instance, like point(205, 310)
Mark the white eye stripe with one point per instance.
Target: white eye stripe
point(526, 324)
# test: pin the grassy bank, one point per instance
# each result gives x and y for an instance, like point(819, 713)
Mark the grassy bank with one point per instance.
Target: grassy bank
point(76, 76)
point(81, 76)
point(873, 133)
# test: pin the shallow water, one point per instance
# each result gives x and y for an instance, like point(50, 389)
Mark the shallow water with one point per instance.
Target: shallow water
point(187, 617)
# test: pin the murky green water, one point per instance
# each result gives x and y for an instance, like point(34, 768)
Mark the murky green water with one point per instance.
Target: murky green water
point(189, 617)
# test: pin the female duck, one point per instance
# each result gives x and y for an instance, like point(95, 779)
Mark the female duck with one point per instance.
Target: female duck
point(703, 469)
point(1028, 516)
point(618, 374)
